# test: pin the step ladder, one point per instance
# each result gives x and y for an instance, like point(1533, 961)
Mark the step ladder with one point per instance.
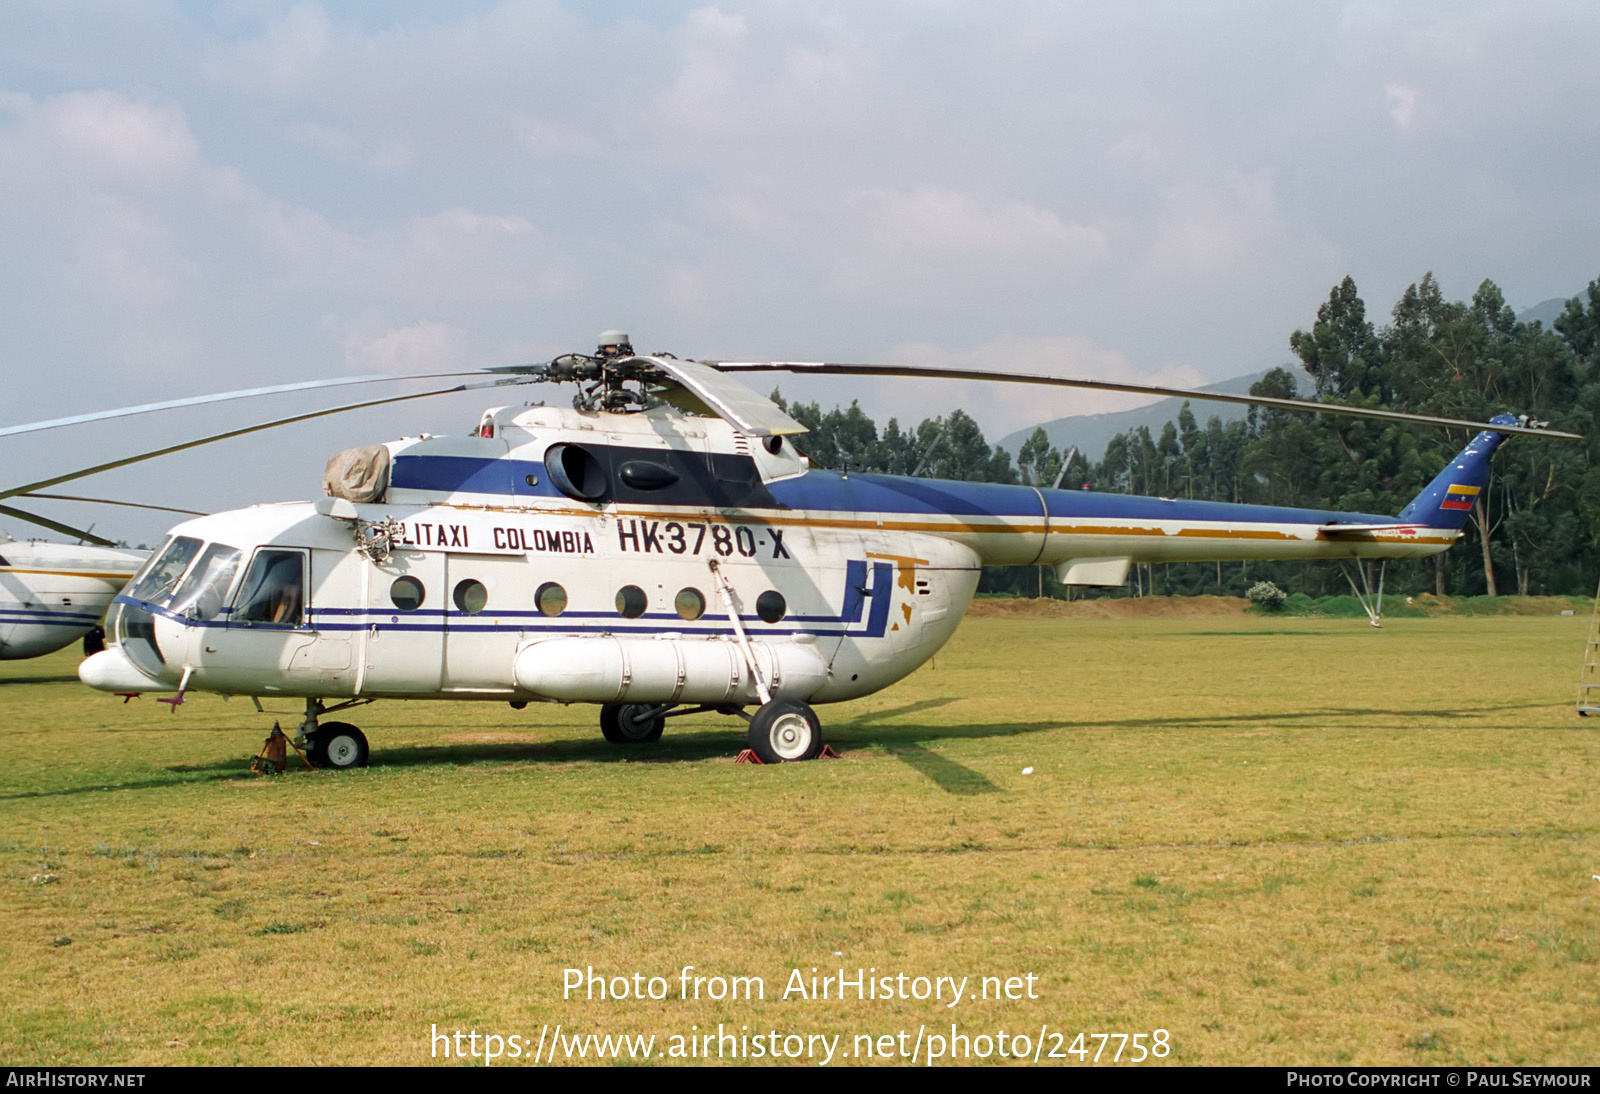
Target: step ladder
point(1589, 679)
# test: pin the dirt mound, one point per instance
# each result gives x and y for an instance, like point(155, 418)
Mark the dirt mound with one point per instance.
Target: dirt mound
point(1141, 607)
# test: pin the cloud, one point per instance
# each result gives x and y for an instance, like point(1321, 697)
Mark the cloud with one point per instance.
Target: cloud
point(1402, 103)
point(344, 147)
point(98, 134)
point(1212, 226)
point(373, 345)
point(172, 256)
point(934, 222)
point(292, 52)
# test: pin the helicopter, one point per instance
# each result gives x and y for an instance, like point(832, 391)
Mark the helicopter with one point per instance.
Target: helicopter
point(55, 594)
point(660, 548)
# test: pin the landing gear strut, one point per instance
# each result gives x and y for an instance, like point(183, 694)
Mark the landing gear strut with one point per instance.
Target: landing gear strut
point(335, 745)
point(781, 730)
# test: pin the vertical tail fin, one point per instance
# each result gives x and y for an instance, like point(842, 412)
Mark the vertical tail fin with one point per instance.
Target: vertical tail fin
point(1446, 501)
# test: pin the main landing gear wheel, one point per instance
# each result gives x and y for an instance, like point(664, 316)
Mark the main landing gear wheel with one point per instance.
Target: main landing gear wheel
point(338, 745)
point(785, 730)
point(632, 723)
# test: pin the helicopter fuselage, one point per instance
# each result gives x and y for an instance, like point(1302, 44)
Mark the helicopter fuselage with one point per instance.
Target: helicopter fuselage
point(653, 557)
point(52, 594)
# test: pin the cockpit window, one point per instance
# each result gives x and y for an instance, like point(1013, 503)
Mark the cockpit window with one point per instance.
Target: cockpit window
point(160, 575)
point(201, 596)
point(274, 589)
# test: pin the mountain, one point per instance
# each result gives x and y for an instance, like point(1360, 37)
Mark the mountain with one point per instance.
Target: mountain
point(1546, 312)
point(1092, 432)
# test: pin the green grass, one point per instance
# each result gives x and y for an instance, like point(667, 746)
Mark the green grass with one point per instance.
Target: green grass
point(1331, 845)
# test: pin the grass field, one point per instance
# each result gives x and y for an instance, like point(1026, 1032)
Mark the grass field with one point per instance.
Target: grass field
point(1280, 840)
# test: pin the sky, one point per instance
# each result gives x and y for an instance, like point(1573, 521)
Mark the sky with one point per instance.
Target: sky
point(201, 196)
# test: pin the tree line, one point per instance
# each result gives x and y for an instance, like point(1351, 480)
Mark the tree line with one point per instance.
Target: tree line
point(1534, 531)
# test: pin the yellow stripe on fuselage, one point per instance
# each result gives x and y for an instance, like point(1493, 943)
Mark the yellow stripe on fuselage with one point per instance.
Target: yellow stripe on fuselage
point(105, 575)
point(956, 525)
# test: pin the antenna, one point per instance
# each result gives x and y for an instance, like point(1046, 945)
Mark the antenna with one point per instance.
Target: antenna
point(1066, 462)
point(925, 456)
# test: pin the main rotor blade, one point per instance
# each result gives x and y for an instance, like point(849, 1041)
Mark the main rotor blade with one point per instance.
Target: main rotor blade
point(169, 449)
point(56, 526)
point(115, 501)
point(749, 413)
point(921, 371)
point(221, 397)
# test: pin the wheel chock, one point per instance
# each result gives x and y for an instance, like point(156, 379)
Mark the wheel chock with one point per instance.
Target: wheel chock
point(274, 754)
point(748, 756)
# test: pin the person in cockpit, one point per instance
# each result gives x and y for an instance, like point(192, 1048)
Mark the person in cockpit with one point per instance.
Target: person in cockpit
point(274, 590)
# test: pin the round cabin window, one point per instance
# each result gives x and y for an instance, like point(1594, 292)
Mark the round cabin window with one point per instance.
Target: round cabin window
point(771, 606)
point(551, 599)
point(631, 601)
point(691, 604)
point(471, 596)
point(407, 593)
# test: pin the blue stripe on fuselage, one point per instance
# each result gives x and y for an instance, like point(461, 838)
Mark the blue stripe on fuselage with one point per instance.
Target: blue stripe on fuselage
point(825, 491)
point(436, 620)
point(832, 491)
point(470, 474)
point(12, 614)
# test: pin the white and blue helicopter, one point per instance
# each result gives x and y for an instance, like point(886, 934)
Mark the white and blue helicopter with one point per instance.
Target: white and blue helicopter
point(660, 548)
point(55, 594)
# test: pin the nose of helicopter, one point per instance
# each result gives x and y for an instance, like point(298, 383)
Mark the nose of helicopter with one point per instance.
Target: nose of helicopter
point(110, 670)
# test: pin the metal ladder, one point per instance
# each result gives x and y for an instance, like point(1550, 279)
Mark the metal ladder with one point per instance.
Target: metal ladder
point(1589, 678)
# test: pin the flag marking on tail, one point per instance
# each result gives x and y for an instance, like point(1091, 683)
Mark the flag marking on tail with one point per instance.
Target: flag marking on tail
point(1459, 497)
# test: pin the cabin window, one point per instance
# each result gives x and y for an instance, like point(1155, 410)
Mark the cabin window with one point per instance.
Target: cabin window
point(204, 591)
point(274, 589)
point(471, 596)
point(691, 603)
point(160, 576)
point(631, 601)
point(771, 606)
point(407, 593)
point(551, 599)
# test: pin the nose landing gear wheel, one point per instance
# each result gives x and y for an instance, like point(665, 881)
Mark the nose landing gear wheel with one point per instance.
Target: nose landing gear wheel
point(785, 730)
point(338, 745)
point(632, 723)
